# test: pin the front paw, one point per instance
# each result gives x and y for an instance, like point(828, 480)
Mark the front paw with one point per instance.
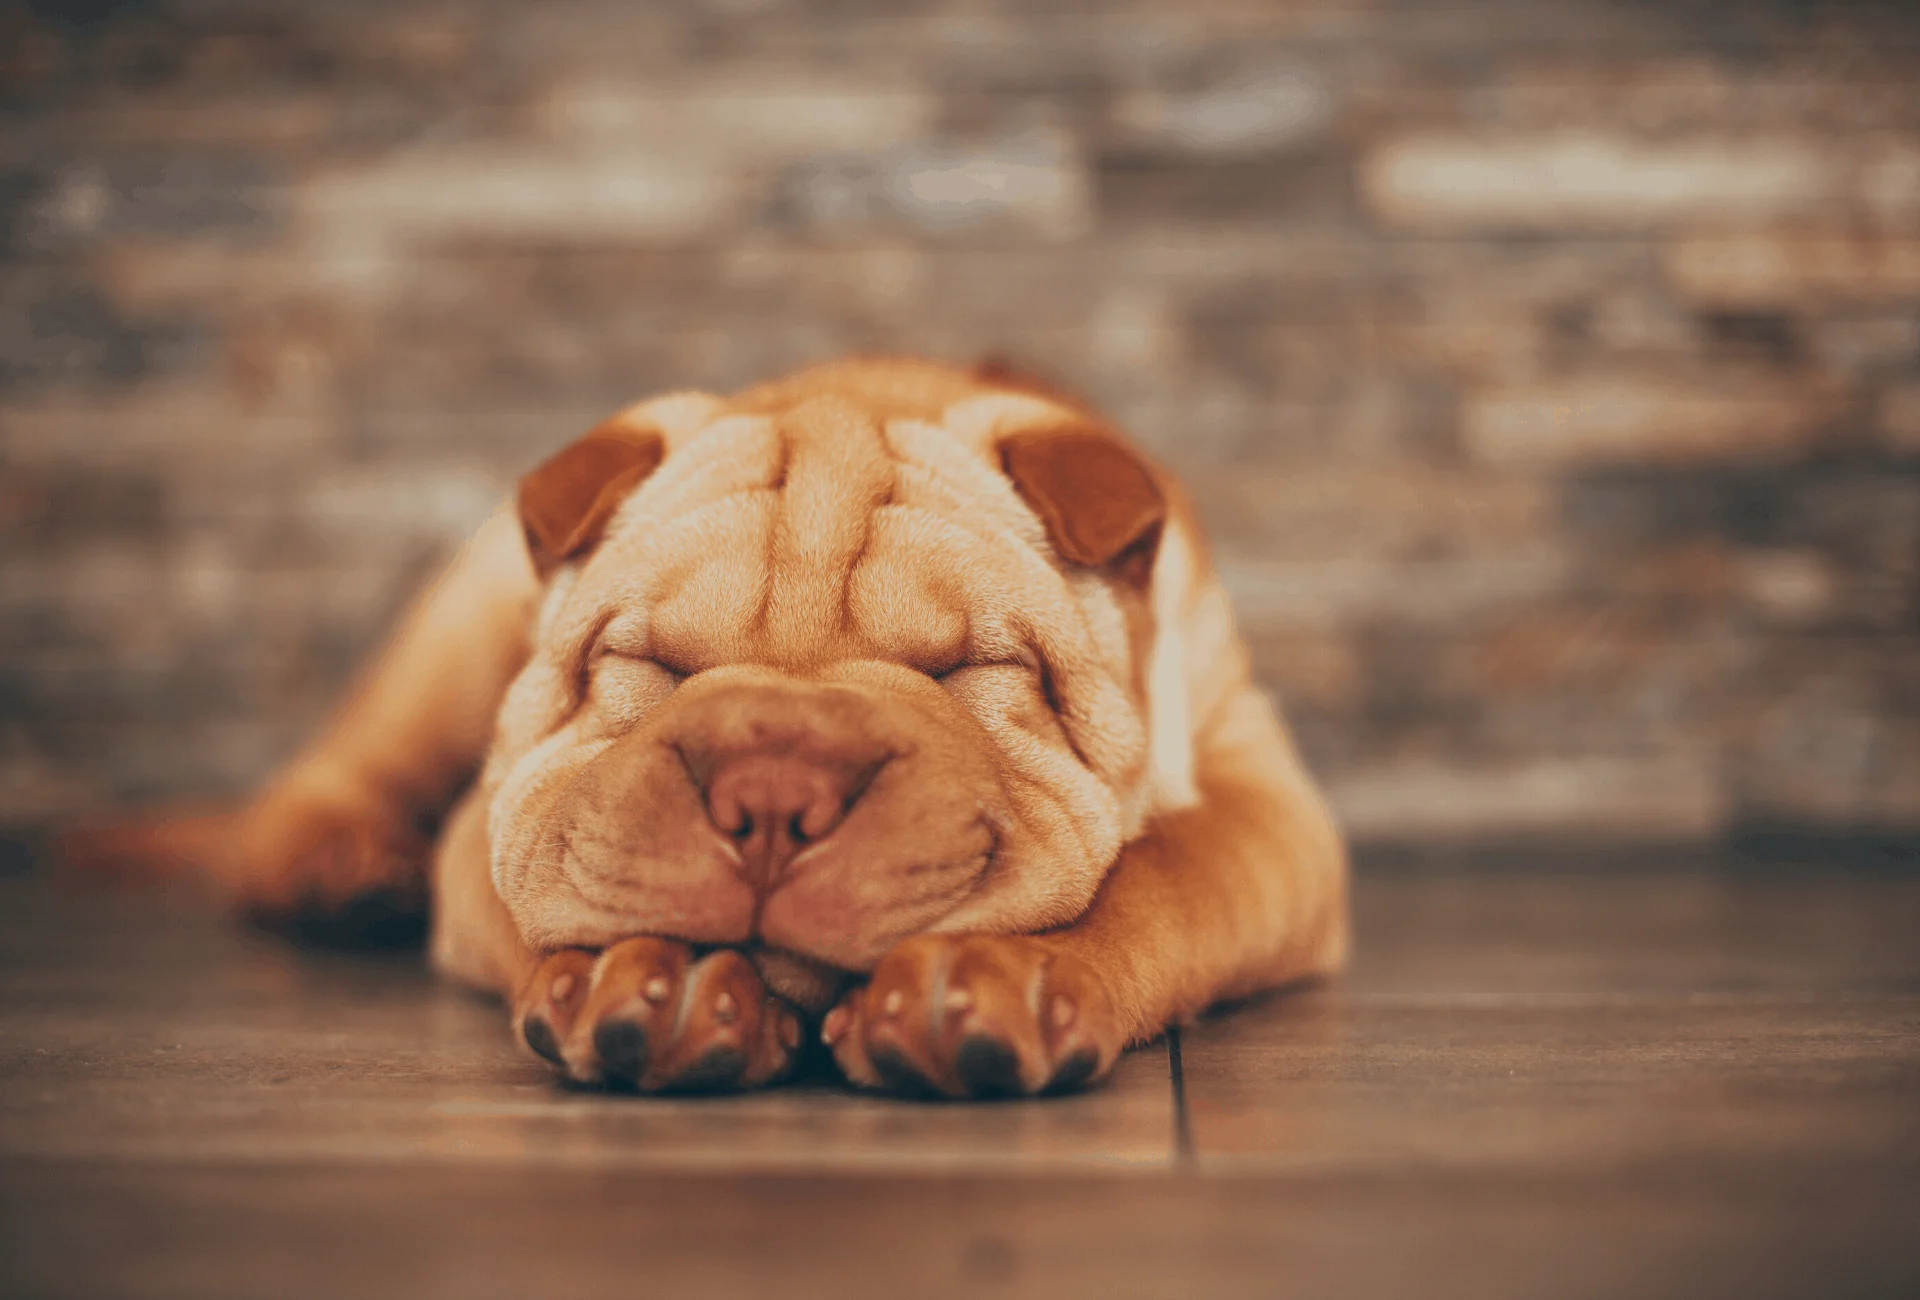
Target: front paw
point(976, 1016)
point(647, 1014)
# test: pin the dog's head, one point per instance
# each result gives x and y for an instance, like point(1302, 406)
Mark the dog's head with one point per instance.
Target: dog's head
point(863, 654)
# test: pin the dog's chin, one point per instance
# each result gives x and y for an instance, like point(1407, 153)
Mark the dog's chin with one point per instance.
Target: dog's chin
point(812, 986)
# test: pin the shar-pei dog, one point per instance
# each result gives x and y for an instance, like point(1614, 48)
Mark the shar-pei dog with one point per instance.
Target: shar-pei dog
point(887, 702)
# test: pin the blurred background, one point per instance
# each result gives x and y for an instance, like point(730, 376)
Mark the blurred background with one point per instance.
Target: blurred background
point(1548, 371)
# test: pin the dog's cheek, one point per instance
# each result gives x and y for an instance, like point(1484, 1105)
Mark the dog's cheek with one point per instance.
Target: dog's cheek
point(1008, 706)
point(524, 824)
point(1061, 824)
point(612, 840)
point(534, 802)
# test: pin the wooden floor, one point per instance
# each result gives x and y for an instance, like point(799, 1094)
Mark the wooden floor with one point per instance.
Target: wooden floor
point(1658, 1079)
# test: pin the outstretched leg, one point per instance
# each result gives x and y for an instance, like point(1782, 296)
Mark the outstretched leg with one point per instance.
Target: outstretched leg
point(1246, 890)
point(353, 814)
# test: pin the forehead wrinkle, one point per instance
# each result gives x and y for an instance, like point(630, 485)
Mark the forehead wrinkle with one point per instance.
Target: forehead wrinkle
point(694, 580)
point(938, 469)
point(729, 456)
point(837, 473)
point(904, 601)
point(938, 588)
point(707, 603)
point(979, 422)
point(826, 479)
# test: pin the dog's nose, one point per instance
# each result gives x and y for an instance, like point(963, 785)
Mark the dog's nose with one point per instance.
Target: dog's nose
point(774, 805)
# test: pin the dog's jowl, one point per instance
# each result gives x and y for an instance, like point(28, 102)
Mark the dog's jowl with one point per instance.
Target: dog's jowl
point(886, 703)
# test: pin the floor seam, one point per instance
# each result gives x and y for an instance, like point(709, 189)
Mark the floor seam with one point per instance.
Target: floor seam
point(1182, 1121)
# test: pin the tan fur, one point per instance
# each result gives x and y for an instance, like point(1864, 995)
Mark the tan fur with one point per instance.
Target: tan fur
point(882, 568)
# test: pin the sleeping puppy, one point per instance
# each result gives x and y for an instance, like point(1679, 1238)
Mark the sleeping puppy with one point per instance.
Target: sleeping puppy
point(886, 699)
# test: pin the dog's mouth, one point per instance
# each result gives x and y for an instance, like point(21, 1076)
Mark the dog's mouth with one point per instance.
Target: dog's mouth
point(845, 913)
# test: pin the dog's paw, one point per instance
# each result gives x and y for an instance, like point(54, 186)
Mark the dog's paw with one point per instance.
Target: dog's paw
point(313, 851)
point(976, 1016)
point(647, 1014)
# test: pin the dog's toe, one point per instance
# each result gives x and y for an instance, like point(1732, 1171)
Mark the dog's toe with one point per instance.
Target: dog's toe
point(545, 1010)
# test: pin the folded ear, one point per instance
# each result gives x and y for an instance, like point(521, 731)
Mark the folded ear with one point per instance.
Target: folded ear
point(565, 503)
point(1098, 500)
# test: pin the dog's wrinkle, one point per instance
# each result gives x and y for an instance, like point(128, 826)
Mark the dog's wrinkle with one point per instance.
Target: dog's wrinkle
point(973, 867)
point(754, 918)
point(944, 903)
point(861, 550)
point(580, 661)
point(1055, 707)
point(980, 869)
point(763, 607)
point(573, 869)
point(574, 880)
point(991, 855)
point(698, 772)
point(864, 779)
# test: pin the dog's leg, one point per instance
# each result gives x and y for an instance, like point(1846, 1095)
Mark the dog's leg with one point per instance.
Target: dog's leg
point(352, 815)
point(1246, 890)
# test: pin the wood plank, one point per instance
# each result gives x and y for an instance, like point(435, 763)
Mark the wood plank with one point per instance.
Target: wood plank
point(1584, 1022)
point(1633, 925)
point(466, 1233)
point(1530, 1086)
point(135, 1028)
point(1572, 1087)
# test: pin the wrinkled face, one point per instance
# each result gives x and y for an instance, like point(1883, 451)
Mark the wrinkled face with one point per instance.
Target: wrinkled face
point(823, 684)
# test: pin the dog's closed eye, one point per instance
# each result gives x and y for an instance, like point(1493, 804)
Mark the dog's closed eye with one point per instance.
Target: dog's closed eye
point(625, 687)
point(965, 680)
point(620, 661)
point(1023, 659)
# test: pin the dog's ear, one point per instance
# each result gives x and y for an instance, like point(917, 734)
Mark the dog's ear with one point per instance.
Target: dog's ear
point(565, 503)
point(1100, 503)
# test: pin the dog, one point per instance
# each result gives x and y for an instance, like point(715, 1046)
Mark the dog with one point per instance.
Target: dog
point(888, 700)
